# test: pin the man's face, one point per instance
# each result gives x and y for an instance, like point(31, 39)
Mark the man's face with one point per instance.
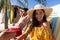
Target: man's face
point(23, 12)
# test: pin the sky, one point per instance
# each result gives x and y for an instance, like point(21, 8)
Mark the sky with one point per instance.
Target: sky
point(32, 3)
point(52, 2)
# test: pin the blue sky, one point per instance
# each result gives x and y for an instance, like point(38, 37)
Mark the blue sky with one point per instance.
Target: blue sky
point(52, 2)
point(32, 3)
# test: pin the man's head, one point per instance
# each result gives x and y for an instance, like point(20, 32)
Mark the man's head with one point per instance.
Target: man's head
point(23, 11)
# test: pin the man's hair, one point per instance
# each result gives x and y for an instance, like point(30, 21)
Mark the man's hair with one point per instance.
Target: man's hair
point(25, 9)
point(15, 12)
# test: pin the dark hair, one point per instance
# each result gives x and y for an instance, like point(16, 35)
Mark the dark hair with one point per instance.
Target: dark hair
point(35, 22)
point(15, 12)
point(25, 9)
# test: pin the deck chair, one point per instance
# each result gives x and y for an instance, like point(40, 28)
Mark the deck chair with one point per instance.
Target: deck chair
point(54, 19)
point(7, 35)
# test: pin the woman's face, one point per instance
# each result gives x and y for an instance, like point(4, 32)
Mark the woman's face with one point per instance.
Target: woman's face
point(39, 14)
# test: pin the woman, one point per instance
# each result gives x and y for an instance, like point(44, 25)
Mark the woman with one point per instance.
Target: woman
point(40, 28)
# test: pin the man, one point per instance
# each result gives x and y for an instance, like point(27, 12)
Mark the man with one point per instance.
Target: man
point(20, 25)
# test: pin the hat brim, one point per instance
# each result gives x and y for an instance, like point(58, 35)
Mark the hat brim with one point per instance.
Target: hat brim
point(48, 11)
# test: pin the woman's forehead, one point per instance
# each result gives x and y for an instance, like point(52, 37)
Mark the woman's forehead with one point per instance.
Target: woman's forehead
point(40, 10)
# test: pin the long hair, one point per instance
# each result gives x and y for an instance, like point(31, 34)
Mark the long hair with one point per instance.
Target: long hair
point(35, 22)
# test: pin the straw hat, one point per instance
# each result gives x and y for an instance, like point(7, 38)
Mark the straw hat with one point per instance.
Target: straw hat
point(40, 6)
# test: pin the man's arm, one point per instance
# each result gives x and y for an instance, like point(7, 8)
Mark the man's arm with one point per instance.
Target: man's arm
point(7, 35)
point(24, 35)
point(22, 22)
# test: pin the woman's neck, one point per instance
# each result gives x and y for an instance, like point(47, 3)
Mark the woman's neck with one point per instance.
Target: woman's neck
point(41, 22)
